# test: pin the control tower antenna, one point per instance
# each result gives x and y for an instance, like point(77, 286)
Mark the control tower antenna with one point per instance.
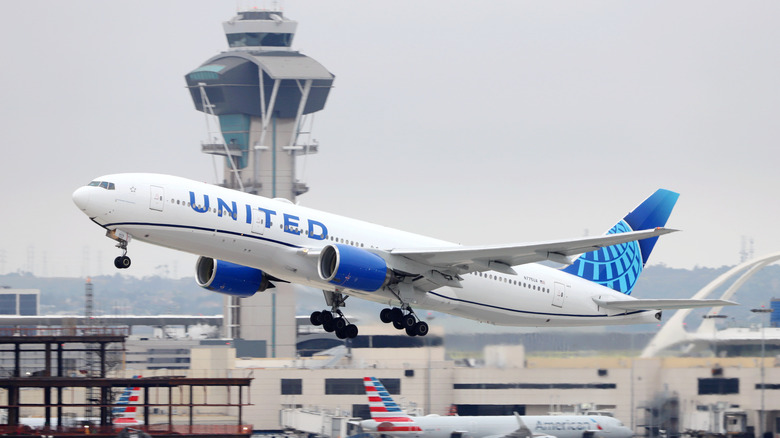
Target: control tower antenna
point(262, 93)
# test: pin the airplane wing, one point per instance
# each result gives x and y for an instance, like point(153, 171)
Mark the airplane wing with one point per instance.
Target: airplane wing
point(501, 258)
point(660, 304)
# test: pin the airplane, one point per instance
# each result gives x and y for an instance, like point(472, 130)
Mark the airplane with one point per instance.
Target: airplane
point(124, 413)
point(388, 419)
point(247, 243)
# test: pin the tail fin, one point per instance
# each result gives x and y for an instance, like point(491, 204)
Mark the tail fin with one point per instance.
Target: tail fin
point(126, 413)
point(618, 267)
point(387, 414)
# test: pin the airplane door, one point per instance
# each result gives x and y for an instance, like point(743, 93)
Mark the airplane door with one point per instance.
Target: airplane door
point(559, 294)
point(257, 223)
point(157, 199)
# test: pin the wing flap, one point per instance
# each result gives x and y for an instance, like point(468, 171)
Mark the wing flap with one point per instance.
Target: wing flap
point(660, 304)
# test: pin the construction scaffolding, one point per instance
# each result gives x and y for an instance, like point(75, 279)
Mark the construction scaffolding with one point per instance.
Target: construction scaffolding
point(54, 344)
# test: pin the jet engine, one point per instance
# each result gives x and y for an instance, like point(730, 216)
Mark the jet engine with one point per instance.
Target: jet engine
point(230, 278)
point(353, 268)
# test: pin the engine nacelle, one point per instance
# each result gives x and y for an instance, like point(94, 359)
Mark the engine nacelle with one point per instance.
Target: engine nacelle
point(353, 268)
point(230, 278)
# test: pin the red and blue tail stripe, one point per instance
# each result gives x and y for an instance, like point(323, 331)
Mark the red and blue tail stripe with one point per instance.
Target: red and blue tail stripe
point(385, 411)
point(126, 413)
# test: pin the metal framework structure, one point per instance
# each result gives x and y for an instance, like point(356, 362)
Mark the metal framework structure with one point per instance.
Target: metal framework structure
point(56, 343)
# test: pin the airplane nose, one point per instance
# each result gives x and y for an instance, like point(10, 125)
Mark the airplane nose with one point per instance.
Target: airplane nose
point(81, 198)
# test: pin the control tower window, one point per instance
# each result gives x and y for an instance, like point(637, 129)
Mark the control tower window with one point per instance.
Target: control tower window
point(254, 39)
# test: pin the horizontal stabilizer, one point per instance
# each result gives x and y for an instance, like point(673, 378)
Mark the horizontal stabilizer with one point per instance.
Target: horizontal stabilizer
point(660, 304)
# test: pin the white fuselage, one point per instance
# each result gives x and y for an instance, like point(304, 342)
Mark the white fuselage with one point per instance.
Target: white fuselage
point(559, 426)
point(283, 240)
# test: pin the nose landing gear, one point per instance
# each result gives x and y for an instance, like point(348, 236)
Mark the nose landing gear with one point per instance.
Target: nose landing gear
point(122, 238)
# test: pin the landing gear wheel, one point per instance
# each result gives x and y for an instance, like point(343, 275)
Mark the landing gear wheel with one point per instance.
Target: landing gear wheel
point(122, 262)
point(408, 321)
point(386, 315)
point(341, 333)
point(398, 325)
point(351, 331)
point(339, 323)
point(326, 316)
point(421, 328)
point(396, 314)
point(329, 326)
point(411, 331)
point(316, 318)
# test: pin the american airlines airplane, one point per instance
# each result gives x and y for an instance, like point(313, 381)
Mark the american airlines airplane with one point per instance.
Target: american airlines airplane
point(247, 243)
point(388, 419)
point(124, 413)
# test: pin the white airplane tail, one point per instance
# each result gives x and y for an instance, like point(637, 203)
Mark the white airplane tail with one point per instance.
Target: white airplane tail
point(387, 414)
point(126, 411)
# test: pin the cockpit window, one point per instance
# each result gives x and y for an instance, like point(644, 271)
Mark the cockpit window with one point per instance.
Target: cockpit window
point(104, 184)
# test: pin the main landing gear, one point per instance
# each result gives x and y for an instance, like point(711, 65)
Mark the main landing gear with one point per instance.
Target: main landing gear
point(404, 321)
point(333, 320)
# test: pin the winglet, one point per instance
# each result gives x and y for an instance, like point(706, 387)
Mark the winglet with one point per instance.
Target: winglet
point(522, 431)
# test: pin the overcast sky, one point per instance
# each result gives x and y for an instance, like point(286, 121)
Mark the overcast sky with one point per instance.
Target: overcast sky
point(475, 122)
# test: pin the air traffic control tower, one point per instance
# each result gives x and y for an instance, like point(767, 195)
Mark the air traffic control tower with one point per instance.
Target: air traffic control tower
point(262, 93)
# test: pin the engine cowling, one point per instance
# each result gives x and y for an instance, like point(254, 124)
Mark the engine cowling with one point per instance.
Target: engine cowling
point(353, 268)
point(230, 278)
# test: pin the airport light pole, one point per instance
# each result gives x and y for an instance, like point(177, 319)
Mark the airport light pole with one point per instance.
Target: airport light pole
point(429, 345)
point(761, 419)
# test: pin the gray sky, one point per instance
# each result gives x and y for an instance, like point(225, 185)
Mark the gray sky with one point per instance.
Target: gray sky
point(474, 122)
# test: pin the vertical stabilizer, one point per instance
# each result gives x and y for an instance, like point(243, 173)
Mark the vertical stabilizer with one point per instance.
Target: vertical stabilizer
point(126, 408)
point(618, 266)
point(384, 410)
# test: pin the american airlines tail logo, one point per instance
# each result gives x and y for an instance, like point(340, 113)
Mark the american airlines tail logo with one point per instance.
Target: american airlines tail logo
point(385, 411)
point(126, 409)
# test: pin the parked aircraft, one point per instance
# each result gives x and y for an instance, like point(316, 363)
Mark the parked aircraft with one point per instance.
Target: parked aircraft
point(247, 243)
point(124, 413)
point(387, 418)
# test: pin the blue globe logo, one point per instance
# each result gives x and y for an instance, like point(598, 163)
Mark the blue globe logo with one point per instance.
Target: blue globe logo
point(617, 266)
